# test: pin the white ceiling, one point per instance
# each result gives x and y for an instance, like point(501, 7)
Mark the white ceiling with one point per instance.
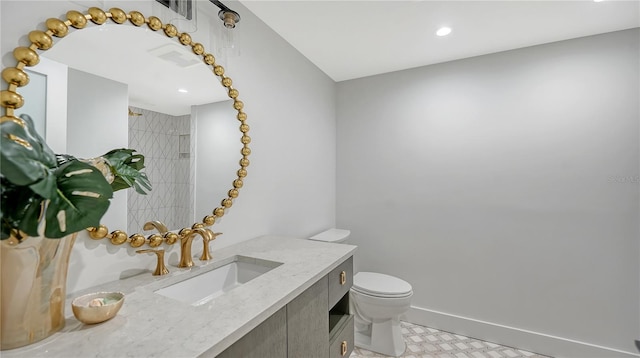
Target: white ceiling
point(157, 70)
point(345, 39)
point(352, 39)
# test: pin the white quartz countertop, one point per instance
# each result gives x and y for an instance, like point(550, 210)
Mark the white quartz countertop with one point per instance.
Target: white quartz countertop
point(151, 325)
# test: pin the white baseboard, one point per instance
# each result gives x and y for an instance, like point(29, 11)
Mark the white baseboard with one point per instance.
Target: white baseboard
point(535, 342)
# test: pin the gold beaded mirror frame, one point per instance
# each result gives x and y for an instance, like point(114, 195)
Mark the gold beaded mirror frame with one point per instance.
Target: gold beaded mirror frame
point(16, 77)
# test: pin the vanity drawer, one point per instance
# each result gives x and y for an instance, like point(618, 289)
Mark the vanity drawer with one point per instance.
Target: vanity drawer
point(342, 345)
point(340, 281)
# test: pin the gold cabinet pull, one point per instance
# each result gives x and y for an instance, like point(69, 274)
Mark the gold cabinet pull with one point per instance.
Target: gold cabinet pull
point(343, 348)
point(343, 278)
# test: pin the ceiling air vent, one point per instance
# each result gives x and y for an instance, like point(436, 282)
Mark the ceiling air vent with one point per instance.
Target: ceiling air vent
point(175, 54)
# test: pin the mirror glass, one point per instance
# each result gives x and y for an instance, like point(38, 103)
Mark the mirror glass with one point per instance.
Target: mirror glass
point(160, 97)
point(37, 90)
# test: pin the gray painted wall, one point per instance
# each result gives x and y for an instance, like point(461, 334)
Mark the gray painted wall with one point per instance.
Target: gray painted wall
point(504, 188)
point(219, 138)
point(96, 123)
point(290, 103)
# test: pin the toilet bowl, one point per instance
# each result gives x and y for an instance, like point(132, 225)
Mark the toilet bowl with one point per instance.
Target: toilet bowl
point(376, 301)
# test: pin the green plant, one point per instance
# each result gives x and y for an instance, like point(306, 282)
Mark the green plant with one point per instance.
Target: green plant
point(126, 168)
point(63, 193)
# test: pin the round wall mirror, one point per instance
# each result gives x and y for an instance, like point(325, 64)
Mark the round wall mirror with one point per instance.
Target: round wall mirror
point(159, 86)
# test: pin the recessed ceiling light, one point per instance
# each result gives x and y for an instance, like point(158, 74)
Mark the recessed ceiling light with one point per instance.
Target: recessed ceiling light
point(182, 90)
point(598, 0)
point(443, 31)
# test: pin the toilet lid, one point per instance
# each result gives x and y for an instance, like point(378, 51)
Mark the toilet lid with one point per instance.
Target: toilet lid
point(380, 285)
point(332, 235)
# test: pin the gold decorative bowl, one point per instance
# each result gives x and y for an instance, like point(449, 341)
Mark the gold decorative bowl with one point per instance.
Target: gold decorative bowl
point(97, 307)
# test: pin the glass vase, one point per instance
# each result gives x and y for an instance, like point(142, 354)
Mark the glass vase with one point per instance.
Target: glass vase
point(33, 288)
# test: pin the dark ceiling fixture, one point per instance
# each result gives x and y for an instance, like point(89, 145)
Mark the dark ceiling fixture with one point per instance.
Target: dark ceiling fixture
point(182, 7)
point(228, 16)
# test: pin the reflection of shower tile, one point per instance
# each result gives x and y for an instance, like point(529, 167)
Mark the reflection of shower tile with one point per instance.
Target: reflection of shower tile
point(143, 143)
point(184, 144)
point(133, 138)
point(155, 175)
point(156, 136)
point(132, 200)
point(150, 120)
point(167, 198)
point(150, 200)
point(164, 126)
point(145, 202)
point(154, 145)
point(160, 199)
point(172, 169)
point(174, 146)
point(153, 213)
point(132, 221)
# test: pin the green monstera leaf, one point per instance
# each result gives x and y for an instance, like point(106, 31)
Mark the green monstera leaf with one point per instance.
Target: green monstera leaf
point(82, 197)
point(25, 159)
point(68, 194)
point(126, 168)
point(27, 167)
point(20, 208)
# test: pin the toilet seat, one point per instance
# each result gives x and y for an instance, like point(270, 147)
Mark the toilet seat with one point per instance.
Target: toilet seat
point(381, 285)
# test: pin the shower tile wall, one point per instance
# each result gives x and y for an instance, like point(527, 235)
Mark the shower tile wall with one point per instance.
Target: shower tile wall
point(165, 142)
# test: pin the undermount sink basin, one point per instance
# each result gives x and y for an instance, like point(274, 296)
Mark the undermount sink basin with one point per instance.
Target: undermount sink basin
point(210, 284)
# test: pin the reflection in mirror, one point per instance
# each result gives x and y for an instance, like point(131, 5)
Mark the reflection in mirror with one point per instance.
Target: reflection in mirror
point(48, 102)
point(216, 143)
point(182, 120)
point(37, 89)
point(159, 136)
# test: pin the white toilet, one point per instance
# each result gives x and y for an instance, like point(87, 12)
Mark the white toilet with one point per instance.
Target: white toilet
point(377, 301)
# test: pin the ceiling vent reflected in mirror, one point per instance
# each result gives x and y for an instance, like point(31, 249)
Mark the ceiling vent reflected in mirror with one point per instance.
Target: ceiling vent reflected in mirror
point(175, 54)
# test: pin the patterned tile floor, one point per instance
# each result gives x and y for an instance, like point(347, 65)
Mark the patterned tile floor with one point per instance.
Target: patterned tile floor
point(424, 342)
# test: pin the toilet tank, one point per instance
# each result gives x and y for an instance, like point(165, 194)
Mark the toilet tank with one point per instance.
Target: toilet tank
point(332, 235)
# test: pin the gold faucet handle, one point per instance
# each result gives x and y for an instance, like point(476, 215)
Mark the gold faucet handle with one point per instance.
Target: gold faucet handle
point(161, 269)
point(210, 236)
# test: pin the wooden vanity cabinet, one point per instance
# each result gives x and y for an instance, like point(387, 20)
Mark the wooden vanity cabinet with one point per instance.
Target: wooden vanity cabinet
point(316, 323)
point(269, 339)
point(307, 322)
point(341, 330)
point(340, 281)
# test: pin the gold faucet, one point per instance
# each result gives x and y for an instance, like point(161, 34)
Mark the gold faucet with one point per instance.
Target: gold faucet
point(205, 241)
point(161, 269)
point(155, 224)
point(186, 237)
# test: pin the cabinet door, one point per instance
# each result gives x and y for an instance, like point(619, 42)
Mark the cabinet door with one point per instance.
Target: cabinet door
point(342, 344)
point(269, 339)
point(308, 322)
point(340, 281)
